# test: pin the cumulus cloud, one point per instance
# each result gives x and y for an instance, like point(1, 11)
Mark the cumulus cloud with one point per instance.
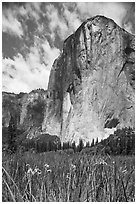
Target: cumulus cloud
point(129, 19)
point(56, 22)
point(50, 54)
point(72, 18)
point(11, 17)
point(30, 10)
point(64, 23)
point(25, 74)
point(10, 23)
point(111, 10)
point(117, 11)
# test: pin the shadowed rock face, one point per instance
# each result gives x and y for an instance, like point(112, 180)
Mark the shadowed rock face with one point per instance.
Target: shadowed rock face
point(26, 109)
point(91, 85)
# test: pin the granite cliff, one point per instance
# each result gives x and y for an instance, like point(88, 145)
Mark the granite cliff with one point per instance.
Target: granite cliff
point(91, 87)
point(27, 109)
point(91, 84)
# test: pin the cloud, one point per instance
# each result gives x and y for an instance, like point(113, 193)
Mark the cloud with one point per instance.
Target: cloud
point(62, 23)
point(25, 74)
point(31, 10)
point(50, 54)
point(68, 18)
point(112, 10)
point(10, 23)
point(116, 11)
point(11, 17)
point(72, 18)
point(56, 22)
point(129, 19)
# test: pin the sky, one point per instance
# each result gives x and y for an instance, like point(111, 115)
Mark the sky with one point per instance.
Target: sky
point(33, 35)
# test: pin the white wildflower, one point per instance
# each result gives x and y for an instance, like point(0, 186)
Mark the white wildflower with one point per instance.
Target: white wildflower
point(72, 167)
point(47, 168)
point(101, 161)
point(37, 171)
point(30, 172)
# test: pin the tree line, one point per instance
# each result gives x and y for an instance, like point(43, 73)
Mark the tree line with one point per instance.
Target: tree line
point(42, 145)
point(122, 142)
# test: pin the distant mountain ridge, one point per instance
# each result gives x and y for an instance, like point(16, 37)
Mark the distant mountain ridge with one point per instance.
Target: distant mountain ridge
point(91, 87)
point(27, 110)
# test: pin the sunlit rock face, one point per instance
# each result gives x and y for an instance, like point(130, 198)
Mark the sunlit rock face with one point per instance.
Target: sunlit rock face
point(91, 85)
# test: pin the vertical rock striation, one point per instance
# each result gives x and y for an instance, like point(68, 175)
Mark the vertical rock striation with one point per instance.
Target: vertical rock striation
point(91, 85)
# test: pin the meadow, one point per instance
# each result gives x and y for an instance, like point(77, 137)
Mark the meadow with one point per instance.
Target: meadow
point(62, 176)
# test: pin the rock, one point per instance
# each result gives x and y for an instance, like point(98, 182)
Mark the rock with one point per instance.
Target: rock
point(10, 106)
point(26, 109)
point(92, 83)
point(91, 87)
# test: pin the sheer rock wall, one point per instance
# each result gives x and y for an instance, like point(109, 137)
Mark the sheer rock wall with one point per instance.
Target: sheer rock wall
point(92, 82)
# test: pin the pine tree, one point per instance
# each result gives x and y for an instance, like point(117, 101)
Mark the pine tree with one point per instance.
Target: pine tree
point(81, 145)
point(74, 146)
point(92, 144)
point(87, 144)
point(59, 146)
point(12, 129)
point(96, 141)
point(50, 146)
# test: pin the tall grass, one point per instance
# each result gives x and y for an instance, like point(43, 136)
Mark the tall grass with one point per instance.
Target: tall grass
point(58, 177)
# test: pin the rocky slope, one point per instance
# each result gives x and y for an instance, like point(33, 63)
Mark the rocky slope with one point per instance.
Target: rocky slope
point(26, 109)
point(91, 85)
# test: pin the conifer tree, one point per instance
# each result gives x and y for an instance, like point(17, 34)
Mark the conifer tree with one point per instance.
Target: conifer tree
point(96, 141)
point(81, 145)
point(74, 146)
point(87, 144)
point(92, 144)
point(12, 129)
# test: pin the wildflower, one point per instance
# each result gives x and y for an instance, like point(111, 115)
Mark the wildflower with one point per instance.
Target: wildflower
point(72, 167)
point(47, 168)
point(37, 171)
point(100, 161)
point(103, 162)
point(28, 175)
point(30, 172)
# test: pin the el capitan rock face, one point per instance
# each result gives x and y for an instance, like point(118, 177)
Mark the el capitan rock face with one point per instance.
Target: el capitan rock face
point(91, 85)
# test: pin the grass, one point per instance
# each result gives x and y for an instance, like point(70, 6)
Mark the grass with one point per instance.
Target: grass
point(60, 177)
